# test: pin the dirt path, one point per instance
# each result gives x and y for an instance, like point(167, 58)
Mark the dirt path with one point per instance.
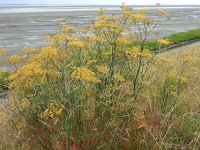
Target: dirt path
point(183, 48)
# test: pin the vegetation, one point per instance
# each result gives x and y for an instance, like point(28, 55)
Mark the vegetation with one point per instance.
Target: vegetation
point(176, 38)
point(4, 81)
point(89, 90)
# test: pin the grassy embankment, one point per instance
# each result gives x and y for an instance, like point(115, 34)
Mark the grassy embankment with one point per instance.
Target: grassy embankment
point(176, 39)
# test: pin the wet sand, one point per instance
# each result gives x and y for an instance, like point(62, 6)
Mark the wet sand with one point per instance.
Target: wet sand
point(18, 30)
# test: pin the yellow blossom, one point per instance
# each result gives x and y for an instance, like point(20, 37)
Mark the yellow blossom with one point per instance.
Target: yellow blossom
point(66, 27)
point(126, 8)
point(188, 58)
point(118, 78)
point(83, 73)
point(123, 41)
point(48, 52)
point(133, 52)
point(33, 68)
point(76, 44)
point(143, 11)
point(174, 94)
point(172, 74)
point(103, 69)
point(164, 42)
point(146, 54)
point(61, 38)
point(183, 79)
point(15, 58)
point(99, 25)
point(138, 17)
point(97, 39)
point(162, 12)
point(53, 111)
point(24, 103)
point(101, 11)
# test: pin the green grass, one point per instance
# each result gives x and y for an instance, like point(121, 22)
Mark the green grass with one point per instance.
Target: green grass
point(176, 38)
point(4, 81)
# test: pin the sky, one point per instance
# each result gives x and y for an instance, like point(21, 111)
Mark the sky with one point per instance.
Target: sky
point(101, 2)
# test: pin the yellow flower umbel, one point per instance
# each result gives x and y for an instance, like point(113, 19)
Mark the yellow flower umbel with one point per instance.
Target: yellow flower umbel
point(15, 58)
point(48, 52)
point(133, 52)
point(101, 11)
point(162, 12)
point(61, 38)
point(53, 111)
point(76, 44)
point(83, 73)
point(172, 74)
point(103, 69)
point(164, 42)
point(66, 28)
point(118, 78)
point(146, 54)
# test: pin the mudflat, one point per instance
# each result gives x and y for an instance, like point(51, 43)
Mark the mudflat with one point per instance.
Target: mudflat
point(19, 29)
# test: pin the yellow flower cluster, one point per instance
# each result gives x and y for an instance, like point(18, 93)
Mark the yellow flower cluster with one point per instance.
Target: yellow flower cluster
point(141, 18)
point(97, 39)
point(48, 52)
point(101, 11)
point(187, 58)
point(53, 111)
point(123, 41)
point(24, 103)
point(61, 38)
point(99, 25)
point(76, 44)
point(172, 74)
point(66, 27)
point(164, 42)
point(107, 19)
point(83, 73)
point(146, 54)
point(162, 12)
point(15, 58)
point(33, 68)
point(126, 8)
point(103, 69)
point(175, 75)
point(133, 52)
point(143, 11)
point(118, 78)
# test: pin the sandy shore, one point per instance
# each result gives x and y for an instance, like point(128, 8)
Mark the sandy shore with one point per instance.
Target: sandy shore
point(18, 30)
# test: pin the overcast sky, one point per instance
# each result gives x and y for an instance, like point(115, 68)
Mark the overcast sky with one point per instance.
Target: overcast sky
point(90, 2)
